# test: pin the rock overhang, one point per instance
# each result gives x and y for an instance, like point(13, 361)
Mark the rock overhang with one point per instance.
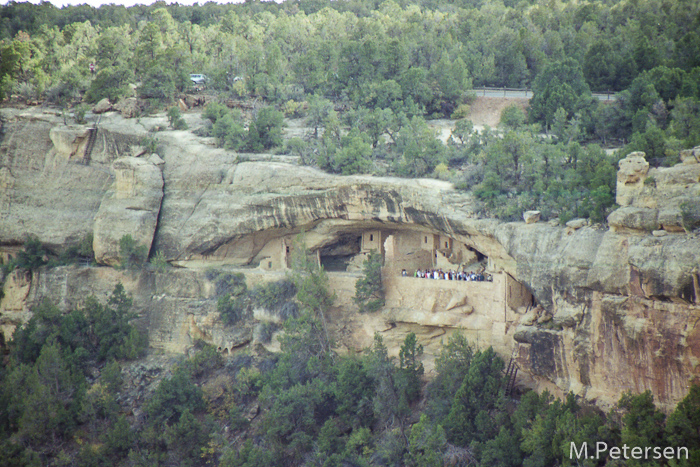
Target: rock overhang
point(594, 285)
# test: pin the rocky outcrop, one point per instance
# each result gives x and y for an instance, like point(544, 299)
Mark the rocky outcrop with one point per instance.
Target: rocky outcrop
point(630, 178)
point(633, 218)
point(576, 223)
point(50, 195)
point(130, 207)
point(47, 188)
point(605, 300)
point(69, 141)
point(230, 216)
point(672, 194)
point(13, 305)
point(550, 260)
point(690, 156)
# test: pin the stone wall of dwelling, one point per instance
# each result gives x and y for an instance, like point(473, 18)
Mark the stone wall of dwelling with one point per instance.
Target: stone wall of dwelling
point(427, 295)
point(416, 250)
point(429, 241)
point(421, 259)
point(403, 251)
point(273, 256)
point(462, 254)
point(445, 243)
point(402, 242)
point(277, 254)
point(373, 240)
point(477, 309)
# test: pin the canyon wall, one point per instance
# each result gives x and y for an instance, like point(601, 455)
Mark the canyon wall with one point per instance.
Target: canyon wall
point(614, 309)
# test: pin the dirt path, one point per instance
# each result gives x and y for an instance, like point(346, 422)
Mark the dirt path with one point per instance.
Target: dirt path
point(483, 111)
point(487, 110)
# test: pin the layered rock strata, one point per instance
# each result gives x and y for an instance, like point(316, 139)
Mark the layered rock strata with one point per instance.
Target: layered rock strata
point(613, 309)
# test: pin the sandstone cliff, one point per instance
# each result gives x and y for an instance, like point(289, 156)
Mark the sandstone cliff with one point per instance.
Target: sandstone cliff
point(613, 309)
point(129, 207)
point(48, 189)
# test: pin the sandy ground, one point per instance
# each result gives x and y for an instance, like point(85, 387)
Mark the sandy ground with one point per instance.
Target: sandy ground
point(487, 110)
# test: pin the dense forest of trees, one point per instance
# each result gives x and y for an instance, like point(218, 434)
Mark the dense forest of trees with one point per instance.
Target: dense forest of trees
point(62, 400)
point(430, 50)
point(366, 75)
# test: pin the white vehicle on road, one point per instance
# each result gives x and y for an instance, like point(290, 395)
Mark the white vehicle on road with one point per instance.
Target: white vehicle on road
point(198, 79)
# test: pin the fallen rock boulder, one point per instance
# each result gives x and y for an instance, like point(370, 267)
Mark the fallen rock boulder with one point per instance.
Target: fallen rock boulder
point(102, 106)
point(129, 108)
point(576, 223)
point(531, 217)
point(630, 217)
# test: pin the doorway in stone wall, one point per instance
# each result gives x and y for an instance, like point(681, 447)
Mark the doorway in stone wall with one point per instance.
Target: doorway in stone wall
point(336, 256)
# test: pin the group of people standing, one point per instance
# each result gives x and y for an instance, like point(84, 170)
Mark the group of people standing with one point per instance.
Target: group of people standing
point(450, 275)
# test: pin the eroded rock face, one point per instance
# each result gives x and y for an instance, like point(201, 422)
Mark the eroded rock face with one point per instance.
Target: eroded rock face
point(616, 344)
point(69, 141)
point(630, 177)
point(219, 209)
point(671, 192)
point(13, 310)
point(130, 207)
point(47, 188)
point(608, 301)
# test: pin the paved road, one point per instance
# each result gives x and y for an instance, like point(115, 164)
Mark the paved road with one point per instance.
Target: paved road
point(503, 93)
point(604, 97)
point(512, 94)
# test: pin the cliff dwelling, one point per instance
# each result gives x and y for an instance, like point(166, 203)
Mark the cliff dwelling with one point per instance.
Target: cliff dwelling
point(486, 305)
point(345, 252)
